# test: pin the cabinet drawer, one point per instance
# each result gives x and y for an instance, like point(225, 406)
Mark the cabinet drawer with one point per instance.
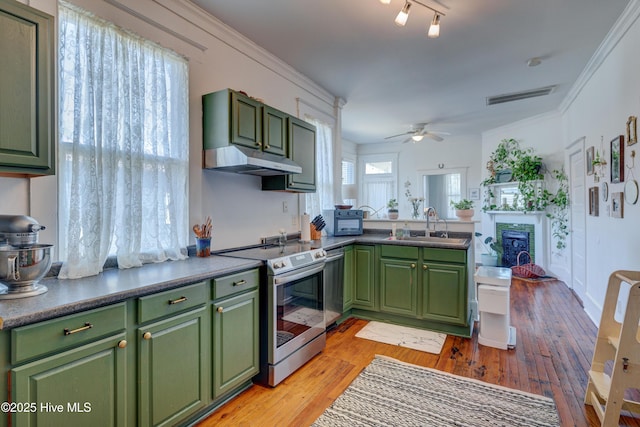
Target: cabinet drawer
point(235, 283)
point(392, 251)
point(171, 301)
point(64, 332)
point(447, 255)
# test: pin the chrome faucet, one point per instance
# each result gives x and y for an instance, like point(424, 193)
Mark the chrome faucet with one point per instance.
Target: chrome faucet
point(446, 227)
point(427, 214)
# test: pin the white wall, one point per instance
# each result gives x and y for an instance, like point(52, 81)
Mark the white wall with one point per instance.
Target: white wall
point(218, 58)
point(456, 151)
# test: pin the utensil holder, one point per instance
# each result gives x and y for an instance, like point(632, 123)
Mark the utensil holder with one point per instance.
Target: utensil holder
point(203, 246)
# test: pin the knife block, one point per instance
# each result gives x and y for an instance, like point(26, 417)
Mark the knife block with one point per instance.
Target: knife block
point(315, 234)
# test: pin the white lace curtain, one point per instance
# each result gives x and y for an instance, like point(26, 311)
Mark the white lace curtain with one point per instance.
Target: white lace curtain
point(123, 153)
point(323, 198)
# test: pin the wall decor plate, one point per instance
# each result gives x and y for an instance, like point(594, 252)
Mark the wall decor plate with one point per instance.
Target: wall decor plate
point(631, 192)
point(604, 189)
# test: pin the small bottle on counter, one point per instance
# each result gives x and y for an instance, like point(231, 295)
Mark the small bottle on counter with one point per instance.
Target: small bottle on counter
point(405, 231)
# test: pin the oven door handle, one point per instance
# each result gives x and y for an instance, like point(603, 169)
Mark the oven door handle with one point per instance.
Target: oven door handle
point(297, 275)
point(330, 258)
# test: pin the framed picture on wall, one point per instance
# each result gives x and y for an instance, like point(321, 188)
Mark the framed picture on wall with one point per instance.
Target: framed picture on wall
point(474, 194)
point(632, 130)
point(617, 159)
point(590, 160)
point(594, 201)
point(616, 205)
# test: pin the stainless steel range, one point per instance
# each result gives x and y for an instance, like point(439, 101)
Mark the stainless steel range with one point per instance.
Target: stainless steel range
point(292, 307)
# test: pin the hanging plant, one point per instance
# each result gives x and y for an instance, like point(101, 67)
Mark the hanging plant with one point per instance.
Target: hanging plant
point(558, 212)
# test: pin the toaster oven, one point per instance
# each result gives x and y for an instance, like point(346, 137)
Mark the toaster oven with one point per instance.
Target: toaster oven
point(343, 222)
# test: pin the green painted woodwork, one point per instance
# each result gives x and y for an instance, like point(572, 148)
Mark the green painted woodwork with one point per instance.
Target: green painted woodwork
point(445, 255)
point(27, 122)
point(83, 386)
point(444, 293)
point(231, 117)
point(246, 121)
point(399, 286)
point(365, 287)
point(235, 283)
point(302, 150)
point(173, 368)
point(348, 280)
point(406, 252)
point(171, 302)
point(39, 339)
point(235, 341)
point(274, 130)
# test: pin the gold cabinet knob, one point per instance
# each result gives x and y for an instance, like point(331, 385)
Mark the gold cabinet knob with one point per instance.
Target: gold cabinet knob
point(413, 266)
point(220, 309)
point(122, 344)
point(147, 335)
point(424, 267)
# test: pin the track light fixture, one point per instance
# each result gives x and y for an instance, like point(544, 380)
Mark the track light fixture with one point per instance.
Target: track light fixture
point(403, 16)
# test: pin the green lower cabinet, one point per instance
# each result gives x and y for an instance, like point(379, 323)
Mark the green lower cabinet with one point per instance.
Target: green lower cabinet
point(235, 341)
point(365, 284)
point(83, 386)
point(348, 279)
point(173, 368)
point(399, 286)
point(444, 293)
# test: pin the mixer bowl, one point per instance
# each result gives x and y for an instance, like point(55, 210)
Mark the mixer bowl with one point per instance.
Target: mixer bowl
point(22, 268)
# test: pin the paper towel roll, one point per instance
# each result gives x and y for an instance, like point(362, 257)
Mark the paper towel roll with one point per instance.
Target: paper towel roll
point(305, 229)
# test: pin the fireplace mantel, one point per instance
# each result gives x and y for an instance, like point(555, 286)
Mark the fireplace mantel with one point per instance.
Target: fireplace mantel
point(536, 214)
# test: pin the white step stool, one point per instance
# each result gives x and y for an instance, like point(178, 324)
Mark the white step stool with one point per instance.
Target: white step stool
point(493, 284)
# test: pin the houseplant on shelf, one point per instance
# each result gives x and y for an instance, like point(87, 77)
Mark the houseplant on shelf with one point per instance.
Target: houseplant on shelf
point(492, 248)
point(392, 209)
point(464, 209)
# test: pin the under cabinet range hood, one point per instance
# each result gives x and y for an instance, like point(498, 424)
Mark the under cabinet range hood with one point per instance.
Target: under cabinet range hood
point(237, 159)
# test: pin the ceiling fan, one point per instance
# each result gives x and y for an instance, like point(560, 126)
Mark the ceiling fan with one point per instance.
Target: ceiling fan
point(418, 132)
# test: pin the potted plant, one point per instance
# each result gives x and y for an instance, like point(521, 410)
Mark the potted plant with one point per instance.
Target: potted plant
point(464, 209)
point(392, 209)
point(492, 248)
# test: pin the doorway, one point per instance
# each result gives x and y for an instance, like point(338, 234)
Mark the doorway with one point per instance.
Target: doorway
point(577, 241)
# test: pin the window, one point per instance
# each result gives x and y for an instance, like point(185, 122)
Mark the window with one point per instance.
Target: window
point(124, 147)
point(323, 197)
point(349, 189)
point(379, 178)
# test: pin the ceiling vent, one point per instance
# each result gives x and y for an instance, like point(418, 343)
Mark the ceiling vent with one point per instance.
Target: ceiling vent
point(516, 96)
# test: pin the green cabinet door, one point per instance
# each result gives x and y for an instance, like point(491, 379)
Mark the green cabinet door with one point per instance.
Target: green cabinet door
point(399, 286)
point(84, 386)
point(235, 341)
point(365, 283)
point(274, 128)
point(173, 368)
point(26, 86)
point(348, 279)
point(246, 121)
point(444, 293)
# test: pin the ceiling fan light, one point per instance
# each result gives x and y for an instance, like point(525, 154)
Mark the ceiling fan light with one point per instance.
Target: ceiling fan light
point(417, 138)
point(434, 28)
point(403, 15)
point(385, 1)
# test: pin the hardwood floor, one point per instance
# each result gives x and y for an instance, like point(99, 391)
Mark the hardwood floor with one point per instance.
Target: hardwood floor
point(555, 341)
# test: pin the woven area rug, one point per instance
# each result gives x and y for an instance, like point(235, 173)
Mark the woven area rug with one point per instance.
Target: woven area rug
point(389, 392)
point(404, 336)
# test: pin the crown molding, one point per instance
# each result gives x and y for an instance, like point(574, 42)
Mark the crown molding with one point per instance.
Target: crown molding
point(616, 33)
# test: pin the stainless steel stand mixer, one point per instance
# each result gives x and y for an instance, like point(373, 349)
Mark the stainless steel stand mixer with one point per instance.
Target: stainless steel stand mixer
point(23, 261)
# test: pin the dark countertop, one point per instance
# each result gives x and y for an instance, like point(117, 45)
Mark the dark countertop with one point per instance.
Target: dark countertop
point(115, 285)
point(73, 295)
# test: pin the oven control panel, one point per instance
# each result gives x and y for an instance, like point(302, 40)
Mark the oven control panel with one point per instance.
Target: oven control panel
point(294, 261)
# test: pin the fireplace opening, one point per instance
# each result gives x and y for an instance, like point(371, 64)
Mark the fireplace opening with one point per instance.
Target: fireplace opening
point(514, 242)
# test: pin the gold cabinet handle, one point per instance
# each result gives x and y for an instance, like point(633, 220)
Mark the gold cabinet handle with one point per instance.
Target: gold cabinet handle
point(267, 146)
point(425, 267)
point(258, 144)
point(413, 266)
point(177, 301)
point(86, 326)
point(220, 309)
point(146, 335)
point(240, 282)
point(122, 344)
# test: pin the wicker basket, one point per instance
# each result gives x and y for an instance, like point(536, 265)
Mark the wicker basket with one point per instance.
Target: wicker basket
point(528, 271)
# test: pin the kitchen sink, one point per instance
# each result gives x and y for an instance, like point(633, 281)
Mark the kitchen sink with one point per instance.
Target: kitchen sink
point(434, 239)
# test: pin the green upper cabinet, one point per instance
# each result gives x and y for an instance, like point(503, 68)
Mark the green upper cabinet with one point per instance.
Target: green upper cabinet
point(231, 117)
point(274, 131)
point(302, 150)
point(26, 87)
